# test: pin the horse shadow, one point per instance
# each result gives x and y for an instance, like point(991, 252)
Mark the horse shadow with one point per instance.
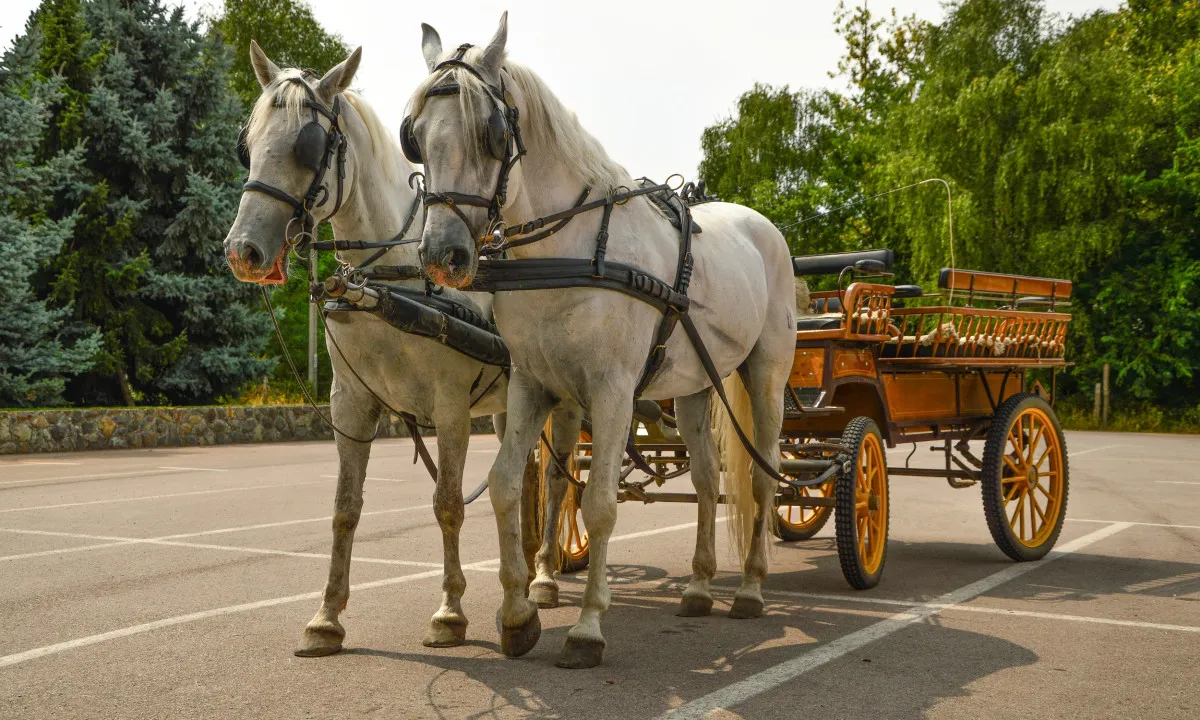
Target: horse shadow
point(656, 661)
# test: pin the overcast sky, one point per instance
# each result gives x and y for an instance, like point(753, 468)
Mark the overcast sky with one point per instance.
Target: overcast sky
point(645, 77)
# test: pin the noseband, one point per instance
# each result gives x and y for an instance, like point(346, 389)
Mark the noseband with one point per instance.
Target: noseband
point(514, 146)
point(335, 142)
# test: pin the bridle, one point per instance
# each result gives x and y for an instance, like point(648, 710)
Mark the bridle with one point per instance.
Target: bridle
point(503, 126)
point(311, 134)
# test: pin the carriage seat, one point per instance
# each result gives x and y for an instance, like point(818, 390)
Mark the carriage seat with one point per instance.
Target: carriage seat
point(824, 321)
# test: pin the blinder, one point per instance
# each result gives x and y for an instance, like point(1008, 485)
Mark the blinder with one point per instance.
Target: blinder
point(495, 138)
point(309, 149)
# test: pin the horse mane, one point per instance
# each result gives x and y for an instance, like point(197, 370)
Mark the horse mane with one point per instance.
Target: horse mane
point(548, 128)
point(289, 97)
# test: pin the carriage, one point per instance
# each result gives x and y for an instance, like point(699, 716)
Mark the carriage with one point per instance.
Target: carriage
point(877, 365)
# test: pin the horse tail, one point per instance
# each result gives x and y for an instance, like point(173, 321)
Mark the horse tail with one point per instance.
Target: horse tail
point(803, 298)
point(736, 478)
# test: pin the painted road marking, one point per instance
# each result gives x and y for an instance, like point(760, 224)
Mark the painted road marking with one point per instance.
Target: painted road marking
point(1130, 522)
point(35, 653)
point(159, 497)
point(1092, 450)
point(192, 469)
point(374, 479)
point(789, 670)
point(1176, 482)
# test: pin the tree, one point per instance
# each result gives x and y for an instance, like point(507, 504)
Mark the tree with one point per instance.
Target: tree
point(147, 95)
point(1072, 148)
point(291, 35)
point(37, 352)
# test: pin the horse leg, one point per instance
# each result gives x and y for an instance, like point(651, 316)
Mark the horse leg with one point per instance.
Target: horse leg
point(528, 406)
point(357, 417)
point(692, 413)
point(564, 426)
point(611, 413)
point(448, 627)
point(764, 379)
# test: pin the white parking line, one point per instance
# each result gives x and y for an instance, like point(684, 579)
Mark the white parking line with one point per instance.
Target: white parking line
point(131, 473)
point(159, 497)
point(192, 469)
point(374, 479)
point(1092, 450)
point(10, 660)
point(200, 546)
point(865, 600)
point(1176, 482)
point(789, 670)
point(1141, 524)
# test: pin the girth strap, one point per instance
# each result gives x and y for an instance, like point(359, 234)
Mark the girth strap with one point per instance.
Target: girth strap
point(555, 273)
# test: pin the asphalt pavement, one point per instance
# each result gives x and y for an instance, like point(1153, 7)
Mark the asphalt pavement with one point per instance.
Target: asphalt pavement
point(174, 583)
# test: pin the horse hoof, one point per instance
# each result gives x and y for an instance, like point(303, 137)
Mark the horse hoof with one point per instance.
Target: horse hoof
point(746, 607)
point(443, 635)
point(321, 640)
point(544, 594)
point(578, 654)
point(694, 606)
point(515, 642)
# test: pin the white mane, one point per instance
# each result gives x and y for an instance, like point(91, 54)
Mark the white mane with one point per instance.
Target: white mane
point(548, 128)
point(283, 94)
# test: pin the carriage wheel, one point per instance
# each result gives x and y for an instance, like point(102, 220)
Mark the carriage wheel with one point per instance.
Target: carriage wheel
point(572, 536)
point(797, 522)
point(1024, 477)
point(862, 506)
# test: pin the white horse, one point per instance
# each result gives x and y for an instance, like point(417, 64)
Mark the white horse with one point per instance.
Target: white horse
point(587, 347)
point(416, 375)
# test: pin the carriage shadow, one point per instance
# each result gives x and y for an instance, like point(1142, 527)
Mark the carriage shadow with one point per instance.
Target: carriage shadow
point(656, 661)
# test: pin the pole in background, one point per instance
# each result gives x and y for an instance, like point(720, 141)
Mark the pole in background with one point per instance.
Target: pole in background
point(1107, 394)
point(1096, 405)
point(312, 326)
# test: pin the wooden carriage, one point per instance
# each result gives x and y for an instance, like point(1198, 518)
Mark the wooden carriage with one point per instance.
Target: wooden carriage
point(877, 365)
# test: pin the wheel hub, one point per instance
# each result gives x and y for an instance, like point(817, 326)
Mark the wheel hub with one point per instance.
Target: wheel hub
point(1031, 477)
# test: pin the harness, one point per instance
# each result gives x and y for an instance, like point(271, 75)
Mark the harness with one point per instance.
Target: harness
point(496, 275)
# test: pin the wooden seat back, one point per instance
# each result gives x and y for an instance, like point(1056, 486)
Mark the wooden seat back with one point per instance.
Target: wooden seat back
point(973, 281)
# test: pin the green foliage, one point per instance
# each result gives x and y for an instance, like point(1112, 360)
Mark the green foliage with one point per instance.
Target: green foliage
point(37, 349)
point(290, 35)
point(1071, 148)
point(144, 105)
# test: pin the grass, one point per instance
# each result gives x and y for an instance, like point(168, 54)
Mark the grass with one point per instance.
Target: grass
point(1075, 415)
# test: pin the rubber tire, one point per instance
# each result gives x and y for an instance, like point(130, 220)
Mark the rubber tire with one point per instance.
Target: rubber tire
point(991, 474)
point(844, 521)
point(807, 531)
point(568, 564)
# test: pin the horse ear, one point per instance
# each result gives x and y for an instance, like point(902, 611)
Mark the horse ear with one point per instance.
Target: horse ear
point(493, 54)
point(431, 46)
point(340, 76)
point(264, 69)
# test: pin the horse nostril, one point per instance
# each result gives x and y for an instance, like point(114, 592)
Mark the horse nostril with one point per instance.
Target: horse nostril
point(457, 259)
point(252, 255)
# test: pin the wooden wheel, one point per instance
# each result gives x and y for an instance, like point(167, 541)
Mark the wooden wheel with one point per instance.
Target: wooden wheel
point(862, 506)
point(797, 522)
point(572, 536)
point(1024, 477)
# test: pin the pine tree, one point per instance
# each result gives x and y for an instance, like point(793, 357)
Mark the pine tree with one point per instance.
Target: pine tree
point(37, 351)
point(148, 93)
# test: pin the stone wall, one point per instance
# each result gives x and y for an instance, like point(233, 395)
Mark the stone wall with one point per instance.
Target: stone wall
point(101, 429)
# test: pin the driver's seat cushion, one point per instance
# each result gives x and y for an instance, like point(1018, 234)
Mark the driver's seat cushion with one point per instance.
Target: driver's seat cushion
point(825, 321)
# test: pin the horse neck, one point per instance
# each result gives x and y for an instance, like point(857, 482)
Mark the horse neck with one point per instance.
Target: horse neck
point(376, 206)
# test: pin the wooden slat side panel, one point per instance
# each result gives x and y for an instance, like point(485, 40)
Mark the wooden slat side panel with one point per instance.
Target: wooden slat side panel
point(1019, 285)
point(930, 396)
